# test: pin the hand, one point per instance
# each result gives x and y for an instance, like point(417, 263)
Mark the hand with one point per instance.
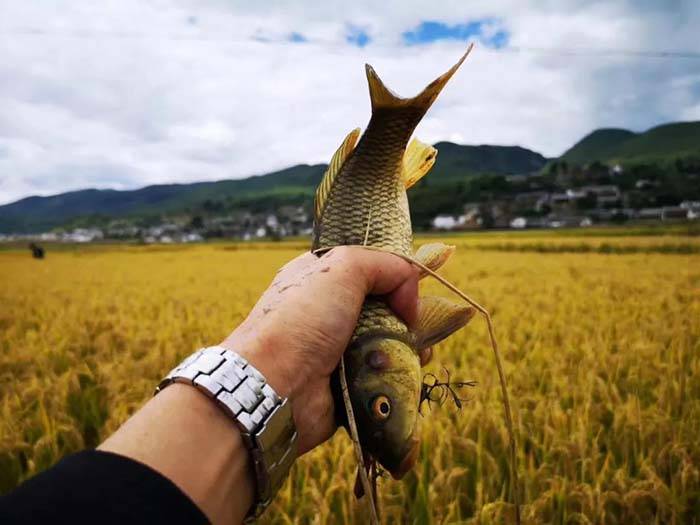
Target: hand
point(298, 330)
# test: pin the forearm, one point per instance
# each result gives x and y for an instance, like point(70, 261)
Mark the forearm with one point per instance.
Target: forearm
point(183, 435)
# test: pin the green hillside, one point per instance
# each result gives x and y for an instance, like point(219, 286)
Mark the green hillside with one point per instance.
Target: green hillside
point(41, 213)
point(661, 144)
point(461, 174)
point(455, 161)
point(295, 185)
point(681, 139)
point(599, 145)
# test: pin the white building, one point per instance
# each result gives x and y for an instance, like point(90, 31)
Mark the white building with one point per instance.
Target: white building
point(519, 223)
point(605, 194)
point(84, 235)
point(445, 222)
point(192, 237)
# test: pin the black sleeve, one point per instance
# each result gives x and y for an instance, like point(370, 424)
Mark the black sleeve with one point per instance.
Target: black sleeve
point(99, 487)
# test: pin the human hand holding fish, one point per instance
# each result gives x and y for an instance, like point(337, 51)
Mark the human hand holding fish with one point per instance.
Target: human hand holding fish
point(303, 322)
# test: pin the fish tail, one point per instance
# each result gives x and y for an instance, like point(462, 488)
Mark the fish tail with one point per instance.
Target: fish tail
point(383, 98)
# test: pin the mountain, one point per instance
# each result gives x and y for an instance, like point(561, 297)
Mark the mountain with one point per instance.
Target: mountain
point(41, 213)
point(660, 144)
point(293, 185)
point(599, 145)
point(670, 140)
point(454, 161)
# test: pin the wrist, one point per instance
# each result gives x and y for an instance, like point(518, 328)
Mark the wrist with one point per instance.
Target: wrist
point(262, 354)
point(243, 394)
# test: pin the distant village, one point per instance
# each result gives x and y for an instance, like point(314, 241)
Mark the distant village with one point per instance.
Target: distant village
point(566, 209)
point(570, 205)
point(287, 221)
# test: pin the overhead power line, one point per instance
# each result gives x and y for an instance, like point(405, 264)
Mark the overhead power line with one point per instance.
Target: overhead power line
point(264, 39)
point(591, 51)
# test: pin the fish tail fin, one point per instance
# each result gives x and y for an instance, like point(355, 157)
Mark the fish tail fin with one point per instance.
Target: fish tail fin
point(383, 98)
point(380, 95)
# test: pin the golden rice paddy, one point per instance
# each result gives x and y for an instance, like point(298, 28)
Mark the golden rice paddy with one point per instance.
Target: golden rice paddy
point(600, 339)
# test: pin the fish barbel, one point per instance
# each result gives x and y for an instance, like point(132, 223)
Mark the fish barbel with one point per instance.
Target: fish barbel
point(362, 200)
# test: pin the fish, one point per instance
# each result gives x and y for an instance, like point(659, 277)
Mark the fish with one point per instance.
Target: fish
point(362, 200)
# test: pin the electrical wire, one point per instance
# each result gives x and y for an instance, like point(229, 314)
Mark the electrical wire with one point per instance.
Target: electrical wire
point(262, 39)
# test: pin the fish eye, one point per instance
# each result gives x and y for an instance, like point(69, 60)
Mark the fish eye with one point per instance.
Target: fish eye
point(381, 407)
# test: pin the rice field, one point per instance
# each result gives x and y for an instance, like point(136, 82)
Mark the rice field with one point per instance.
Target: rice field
point(601, 347)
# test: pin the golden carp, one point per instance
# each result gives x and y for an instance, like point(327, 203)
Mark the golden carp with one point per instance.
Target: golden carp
point(361, 200)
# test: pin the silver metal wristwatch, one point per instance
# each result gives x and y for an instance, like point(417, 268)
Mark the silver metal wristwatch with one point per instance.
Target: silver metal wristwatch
point(265, 420)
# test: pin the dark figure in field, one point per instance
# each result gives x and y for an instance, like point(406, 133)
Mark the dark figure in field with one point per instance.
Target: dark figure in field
point(37, 251)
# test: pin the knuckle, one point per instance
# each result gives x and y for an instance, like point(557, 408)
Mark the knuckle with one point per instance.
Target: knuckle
point(345, 256)
point(355, 269)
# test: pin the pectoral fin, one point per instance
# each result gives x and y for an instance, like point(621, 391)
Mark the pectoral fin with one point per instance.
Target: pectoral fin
point(417, 161)
point(438, 318)
point(433, 255)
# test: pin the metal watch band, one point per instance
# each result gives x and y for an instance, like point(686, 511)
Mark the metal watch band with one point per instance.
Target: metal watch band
point(265, 420)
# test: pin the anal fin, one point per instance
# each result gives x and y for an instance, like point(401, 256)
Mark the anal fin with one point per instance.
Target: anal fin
point(438, 318)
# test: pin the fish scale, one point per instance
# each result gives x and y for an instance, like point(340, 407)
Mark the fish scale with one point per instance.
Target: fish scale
point(376, 316)
point(372, 202)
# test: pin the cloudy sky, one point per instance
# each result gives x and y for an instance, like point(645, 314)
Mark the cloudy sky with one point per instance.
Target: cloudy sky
point(125, 93)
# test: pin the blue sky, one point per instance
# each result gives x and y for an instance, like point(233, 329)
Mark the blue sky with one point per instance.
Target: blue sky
point(430, 31)
point(357, 36)
point(137, 92)
point(294, 36)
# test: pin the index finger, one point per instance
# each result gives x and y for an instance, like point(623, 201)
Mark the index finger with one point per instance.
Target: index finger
point(380, 273)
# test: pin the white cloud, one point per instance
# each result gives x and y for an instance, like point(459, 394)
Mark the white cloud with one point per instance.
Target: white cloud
point(135, 92)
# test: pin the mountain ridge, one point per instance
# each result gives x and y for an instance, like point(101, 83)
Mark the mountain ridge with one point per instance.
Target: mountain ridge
point(295, 184)
point(456, 167)
point(657, 144)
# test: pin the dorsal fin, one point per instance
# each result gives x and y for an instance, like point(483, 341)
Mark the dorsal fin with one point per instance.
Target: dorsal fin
point(417, 161)
point(339, 157)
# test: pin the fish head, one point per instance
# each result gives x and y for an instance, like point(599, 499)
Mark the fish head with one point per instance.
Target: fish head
point(385, 388)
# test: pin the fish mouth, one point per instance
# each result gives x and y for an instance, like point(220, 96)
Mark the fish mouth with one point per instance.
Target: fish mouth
point(408, 460)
